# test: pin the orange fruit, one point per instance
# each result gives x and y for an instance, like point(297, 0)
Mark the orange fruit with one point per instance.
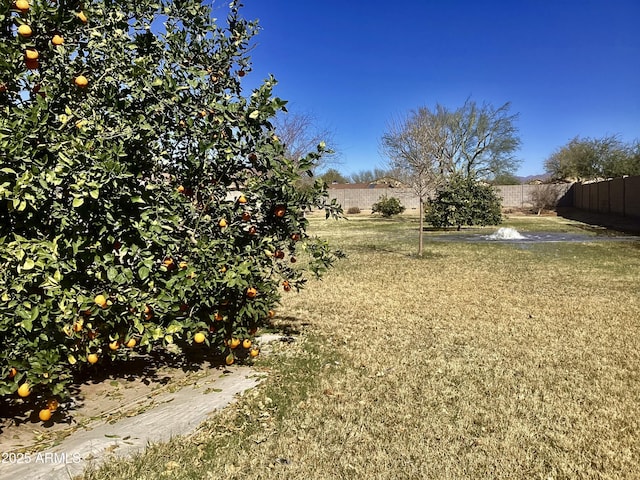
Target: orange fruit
point(52, 404)
point(242, 199)
point(218, 317)
point(246, 343)
point(295, 237)
point(131, 343)
point(31, 54)
point(199, 337)
point(57, 40)
point(114, 345)
point(280, 210)
point(45, 415)
point(81, 81)
point(147, 309)
point(286, 286)
point(234, 342)
point(32, 64)
point(279, 254)
point(24, 390)
point(252, 230)
point(222, 223)
point(92, 358)
point(251, 292)
point(82, 17)
point(293, 259)
point(168, 262)
point(246, 216)
point(100, 300)
point(229, 359)
point(22, 5)
point(272, 313)
point(12, 372)
point(25, 31)
point(183, 265)
point(181, 189)
point(254, 352)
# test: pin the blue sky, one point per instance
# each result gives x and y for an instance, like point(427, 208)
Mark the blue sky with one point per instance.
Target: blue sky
point(568, 67)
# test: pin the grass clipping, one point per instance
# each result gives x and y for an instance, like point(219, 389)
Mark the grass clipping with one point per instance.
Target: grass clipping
point(478, 361)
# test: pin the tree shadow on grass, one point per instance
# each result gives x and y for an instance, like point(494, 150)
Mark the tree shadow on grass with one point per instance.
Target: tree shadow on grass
point(148, 368)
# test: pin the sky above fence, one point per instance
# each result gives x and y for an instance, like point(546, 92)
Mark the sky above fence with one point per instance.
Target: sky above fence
point(568, 67)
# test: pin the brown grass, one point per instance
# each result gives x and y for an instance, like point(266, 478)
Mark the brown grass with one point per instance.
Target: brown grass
point(477, 361)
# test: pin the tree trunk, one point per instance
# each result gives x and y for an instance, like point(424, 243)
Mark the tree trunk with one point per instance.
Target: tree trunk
point(421, 235)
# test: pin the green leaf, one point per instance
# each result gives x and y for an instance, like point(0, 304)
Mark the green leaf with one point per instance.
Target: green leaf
point(94, 194)
point(27, 324)
point(112, 273)
point(77, 202)
point(28, 264)
point(143, 272)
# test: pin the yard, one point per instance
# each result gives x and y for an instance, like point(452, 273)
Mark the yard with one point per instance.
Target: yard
point(479, 360)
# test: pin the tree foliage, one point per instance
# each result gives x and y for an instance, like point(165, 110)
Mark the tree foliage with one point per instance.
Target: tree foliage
point(464, 201)
point(143, 197)
point(594, 158)
point(332, 175)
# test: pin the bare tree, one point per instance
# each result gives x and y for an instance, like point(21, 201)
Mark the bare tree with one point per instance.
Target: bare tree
point(370, 176)
point(413, 146)
point(300, 133)
point(544, 197)
point(479, 140)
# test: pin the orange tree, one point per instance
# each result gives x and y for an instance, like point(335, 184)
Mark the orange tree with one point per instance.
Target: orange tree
point(144, 200)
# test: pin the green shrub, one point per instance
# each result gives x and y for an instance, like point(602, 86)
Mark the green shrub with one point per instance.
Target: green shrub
point(464, 201)
point(353, 211)
point(387, 206)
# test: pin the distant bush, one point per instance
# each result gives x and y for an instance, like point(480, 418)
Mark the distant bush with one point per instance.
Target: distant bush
point(387, 206)
point(353, 210)
point(464, 201)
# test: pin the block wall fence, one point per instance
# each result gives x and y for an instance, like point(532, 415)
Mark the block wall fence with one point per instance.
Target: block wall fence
point(619, 196)
point(513, 196)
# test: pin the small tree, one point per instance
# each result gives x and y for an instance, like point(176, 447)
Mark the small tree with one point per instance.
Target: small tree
point(387, 206)
point(464, 201)
point(544, 197)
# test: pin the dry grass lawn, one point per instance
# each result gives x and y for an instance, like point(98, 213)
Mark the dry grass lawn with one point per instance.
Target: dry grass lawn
point(477, 361)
